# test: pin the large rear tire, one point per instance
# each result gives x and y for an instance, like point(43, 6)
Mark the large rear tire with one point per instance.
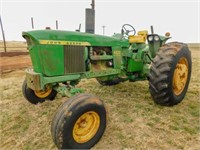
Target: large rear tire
point(79, 123)
point(35, 97)
point(170, 74)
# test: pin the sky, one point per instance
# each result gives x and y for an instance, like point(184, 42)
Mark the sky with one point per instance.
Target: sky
point(179, 17)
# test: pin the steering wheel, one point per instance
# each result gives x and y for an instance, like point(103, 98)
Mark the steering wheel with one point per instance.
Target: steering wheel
point(128, 29)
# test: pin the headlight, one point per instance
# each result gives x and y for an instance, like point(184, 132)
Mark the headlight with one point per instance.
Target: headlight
point(156, 38)
point(150, 38)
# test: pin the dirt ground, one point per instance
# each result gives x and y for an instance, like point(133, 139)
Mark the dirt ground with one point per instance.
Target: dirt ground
point(8, 64)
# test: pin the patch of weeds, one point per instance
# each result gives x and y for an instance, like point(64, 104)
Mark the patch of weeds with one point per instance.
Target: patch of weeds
point(4, 119)
point(191, 130)
point(44, 113)
point(27, 146)
point(195, 112)
point(170, 142)
point(139, 106)
point(173, 127)
point(150, 124)
point(156, 119)
point(15, 127)
point(25, 127)
point(120, 135)
point(148, 109)
point(127, 119)
point(122, 139)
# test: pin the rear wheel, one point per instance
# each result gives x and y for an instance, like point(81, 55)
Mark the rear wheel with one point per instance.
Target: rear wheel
point(79, 123)
point(170, 74)
point(35, 97)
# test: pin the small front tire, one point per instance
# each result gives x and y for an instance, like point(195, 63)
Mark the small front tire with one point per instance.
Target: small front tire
point(35, 97)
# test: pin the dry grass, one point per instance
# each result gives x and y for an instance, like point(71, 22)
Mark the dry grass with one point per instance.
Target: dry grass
point(135, 122)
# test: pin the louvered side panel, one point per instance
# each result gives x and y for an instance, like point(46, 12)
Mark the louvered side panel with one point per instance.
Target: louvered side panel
point(74, 59)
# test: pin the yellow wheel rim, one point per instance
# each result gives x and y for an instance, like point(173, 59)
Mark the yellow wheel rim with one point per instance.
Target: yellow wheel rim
point(86, 127)
point(180, 76)
point(43, 94)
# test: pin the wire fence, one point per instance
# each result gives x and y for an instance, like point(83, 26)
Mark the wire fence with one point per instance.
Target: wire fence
point(13, 46)
point(11, 49)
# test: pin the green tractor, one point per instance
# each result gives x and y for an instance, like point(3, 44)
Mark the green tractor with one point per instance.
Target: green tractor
point(62, 58)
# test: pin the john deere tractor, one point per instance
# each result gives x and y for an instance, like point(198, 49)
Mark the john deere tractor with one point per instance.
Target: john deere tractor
point(62, 58)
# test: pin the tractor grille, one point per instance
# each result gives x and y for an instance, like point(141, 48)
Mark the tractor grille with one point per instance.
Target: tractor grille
point(74, 59)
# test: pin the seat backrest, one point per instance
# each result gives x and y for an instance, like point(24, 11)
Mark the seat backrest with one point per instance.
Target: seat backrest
point(139, 38)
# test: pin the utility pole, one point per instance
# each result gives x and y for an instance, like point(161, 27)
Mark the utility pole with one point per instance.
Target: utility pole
point(4, 41)
point(103, 29)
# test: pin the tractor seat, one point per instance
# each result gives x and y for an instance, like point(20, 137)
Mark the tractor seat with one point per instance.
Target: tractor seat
point(139, 38)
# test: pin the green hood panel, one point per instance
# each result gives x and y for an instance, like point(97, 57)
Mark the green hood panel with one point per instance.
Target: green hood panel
point(58, 35)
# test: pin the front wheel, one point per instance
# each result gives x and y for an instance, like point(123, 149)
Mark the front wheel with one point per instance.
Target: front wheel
point(36, 97)
point(79, 123)
point(170, 74)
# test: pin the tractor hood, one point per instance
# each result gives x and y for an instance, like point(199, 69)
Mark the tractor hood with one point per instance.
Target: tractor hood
point(69, 37)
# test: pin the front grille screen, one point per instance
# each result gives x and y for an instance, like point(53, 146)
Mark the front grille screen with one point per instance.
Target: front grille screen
point(74, 59)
